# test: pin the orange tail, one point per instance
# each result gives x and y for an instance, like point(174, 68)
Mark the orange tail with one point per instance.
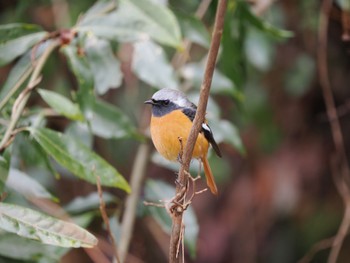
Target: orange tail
point(209, 175)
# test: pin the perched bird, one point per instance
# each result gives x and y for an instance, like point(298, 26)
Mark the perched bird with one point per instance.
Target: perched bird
point(172, 117)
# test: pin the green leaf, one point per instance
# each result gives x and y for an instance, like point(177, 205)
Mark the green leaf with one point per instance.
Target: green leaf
point(26, 186)
point(30, 249)
point(79, 65)
point(33, 250)
point(227, 132)
point(4, 171)
point(344, 4)
point(150, 64)
point(258, 49)
point(158, 190)
point(89, 202)
point(108, 121)
point(194, 72)
point(98, 9)
point(77, 158)
point(21, 71)
point(300, 76)
point(193, 29)
point(136, 20)
point(16, 30)
point(104, 65)
point(9, 50)
point(61, 104)
point(31, 224)
point(264, 25)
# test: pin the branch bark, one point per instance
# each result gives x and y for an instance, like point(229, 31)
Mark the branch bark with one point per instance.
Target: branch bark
point(196, 127)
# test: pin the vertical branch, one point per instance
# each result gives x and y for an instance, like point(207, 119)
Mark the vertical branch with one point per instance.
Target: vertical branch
point(137, 175)
point(196, 127)
point(340, 168)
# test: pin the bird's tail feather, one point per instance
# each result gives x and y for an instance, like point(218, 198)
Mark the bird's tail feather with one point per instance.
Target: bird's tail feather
point(209, 175)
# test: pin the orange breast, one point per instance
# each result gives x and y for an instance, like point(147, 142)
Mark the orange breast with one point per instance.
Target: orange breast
point(166, 130)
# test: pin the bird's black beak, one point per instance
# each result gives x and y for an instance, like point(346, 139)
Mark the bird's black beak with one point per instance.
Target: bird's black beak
point(149, 102)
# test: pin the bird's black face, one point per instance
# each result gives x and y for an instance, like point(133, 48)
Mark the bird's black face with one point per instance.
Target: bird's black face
point(161, 107)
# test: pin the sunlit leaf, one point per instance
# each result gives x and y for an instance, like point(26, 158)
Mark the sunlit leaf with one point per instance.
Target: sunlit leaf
point(136, 20)
point(193, 29)
point(89, 202)
point(77, 158)
point(150, 64)
point(26, 186)
point(158, 190)
point(31, 224)
point(104, 65)
point(11, 49)
point(108, 121)
point(61, 104)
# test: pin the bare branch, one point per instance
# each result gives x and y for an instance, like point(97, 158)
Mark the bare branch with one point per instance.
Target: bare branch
point(197, 123)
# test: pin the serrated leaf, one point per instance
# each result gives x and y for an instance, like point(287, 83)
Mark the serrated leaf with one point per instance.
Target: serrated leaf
point(31, 224)
point(158, 190)
point(61, 105)
point(104, 65)
point(136, 20)
point(263, 25)
point(193, 29)
point(11, 49)
point(77, 158)
point(26, 186)
point(151, 65)
point(108, 121)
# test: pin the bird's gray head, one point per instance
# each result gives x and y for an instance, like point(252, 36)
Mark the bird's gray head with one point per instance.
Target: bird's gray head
point(167, 100)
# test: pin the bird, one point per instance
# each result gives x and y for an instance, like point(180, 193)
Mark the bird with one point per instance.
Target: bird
point(171, 122)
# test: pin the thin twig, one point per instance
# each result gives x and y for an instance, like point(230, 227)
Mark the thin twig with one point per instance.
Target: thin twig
point(177, 218)
point(105, 218)
point(137, 175)
point(340, 175)
point(22, 99)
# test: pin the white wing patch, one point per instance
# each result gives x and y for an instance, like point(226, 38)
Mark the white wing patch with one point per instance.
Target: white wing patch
point(206, 127)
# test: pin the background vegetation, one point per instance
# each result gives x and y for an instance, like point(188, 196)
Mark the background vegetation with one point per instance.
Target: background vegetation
point(74, 75)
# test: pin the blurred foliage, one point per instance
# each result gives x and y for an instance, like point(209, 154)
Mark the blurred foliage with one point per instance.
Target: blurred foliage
point(86, 118)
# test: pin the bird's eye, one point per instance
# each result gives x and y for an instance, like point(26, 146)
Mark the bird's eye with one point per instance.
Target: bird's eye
point(166, 102)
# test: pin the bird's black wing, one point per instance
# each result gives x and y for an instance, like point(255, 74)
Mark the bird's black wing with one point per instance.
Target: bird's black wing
point(208, 134)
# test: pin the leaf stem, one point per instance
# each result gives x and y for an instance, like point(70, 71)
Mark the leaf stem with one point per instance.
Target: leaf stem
point(23, 97)
point(13, 90)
